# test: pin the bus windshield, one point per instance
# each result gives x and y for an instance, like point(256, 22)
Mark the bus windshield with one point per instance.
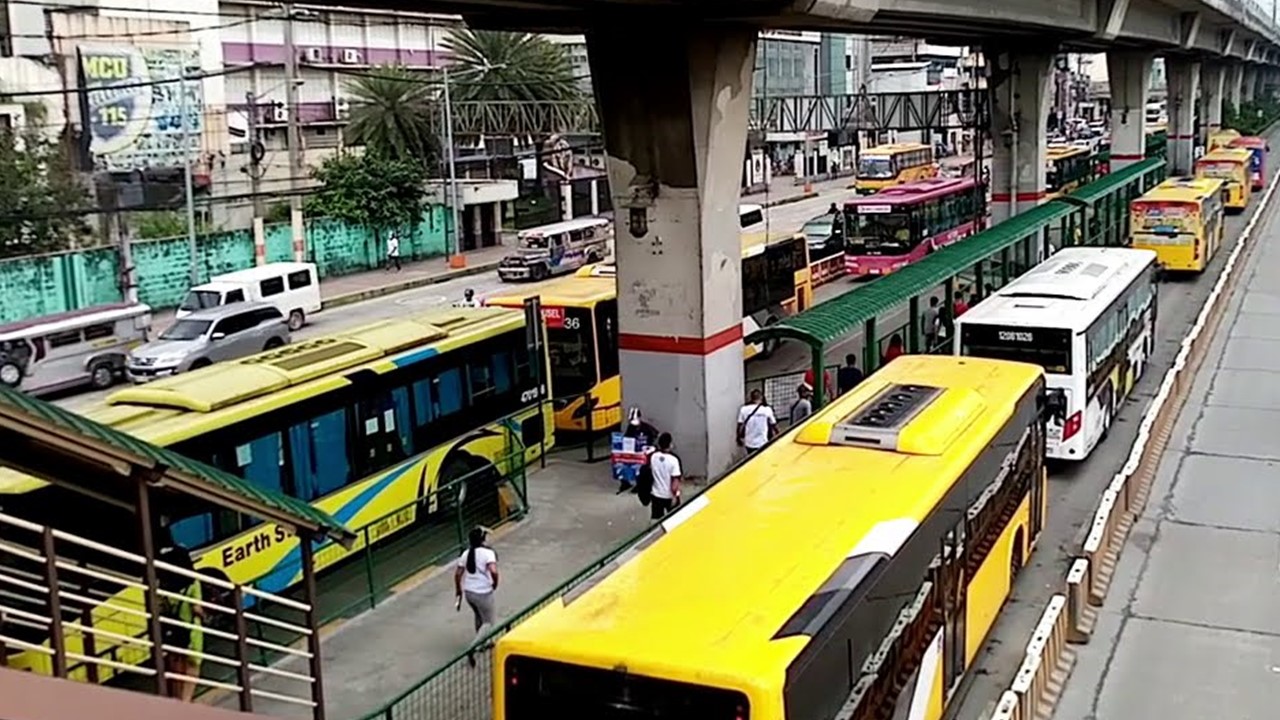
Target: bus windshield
point(886, 233)
point(571, 350)
point(1049, 348)
point(875, 168)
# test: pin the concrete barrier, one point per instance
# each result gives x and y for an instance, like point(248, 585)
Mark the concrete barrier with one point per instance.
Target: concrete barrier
point(1069, 617)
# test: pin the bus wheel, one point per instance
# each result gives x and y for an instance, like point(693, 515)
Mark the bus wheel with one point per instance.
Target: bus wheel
point(468, 486)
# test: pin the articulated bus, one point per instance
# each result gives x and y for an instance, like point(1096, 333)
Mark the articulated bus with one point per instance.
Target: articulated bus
point(898, 226)
point(1087, 315)
point(1068, 167)
point(581, 313)
point(888, 165)
point(1182, 220)
point(851, 569)
point(1258, 163)
point(1232, 166)
point(365, 425)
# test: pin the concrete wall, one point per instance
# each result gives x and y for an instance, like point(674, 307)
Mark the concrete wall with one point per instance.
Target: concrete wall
point(43, 284)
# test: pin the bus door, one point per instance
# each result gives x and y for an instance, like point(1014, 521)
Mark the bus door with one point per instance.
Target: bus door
point(954, 594)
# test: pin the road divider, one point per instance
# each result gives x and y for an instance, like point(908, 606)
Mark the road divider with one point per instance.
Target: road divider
point(1070, 615)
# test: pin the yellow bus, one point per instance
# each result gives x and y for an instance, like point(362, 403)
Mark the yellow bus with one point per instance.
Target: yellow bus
point(1181, 219)
point(887, 165)
point(1230, 165)
point(1221, 139)
point(857, 562)
point(364, 424)
point(1067, 168)
point(581, 313)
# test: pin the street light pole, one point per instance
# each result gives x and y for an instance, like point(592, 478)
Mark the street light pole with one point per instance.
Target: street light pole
point(194, 267)
point(453, 174)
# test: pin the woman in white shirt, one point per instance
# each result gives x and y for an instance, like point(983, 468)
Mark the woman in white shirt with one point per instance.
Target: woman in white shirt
point(476, 579)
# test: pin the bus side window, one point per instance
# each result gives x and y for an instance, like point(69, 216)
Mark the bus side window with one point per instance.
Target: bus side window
point(607, 338)
point(318, 455)
point(449, 393)
point(502, 380)
point(193, 532)
point(260, 461)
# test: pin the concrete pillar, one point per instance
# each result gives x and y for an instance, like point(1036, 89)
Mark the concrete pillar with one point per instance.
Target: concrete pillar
point(1212, 84)
point(1184, 85)
point(1235, 84)
point(1019, 118)
point(675, 123)
point(1250, 84)
point(1129, 75)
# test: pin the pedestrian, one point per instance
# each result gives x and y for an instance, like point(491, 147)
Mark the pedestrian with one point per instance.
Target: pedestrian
point(961, 304)
point(930, 324)
point(756, 423)
point(183, 637)
point(393, 251)
point(468, 299)
point(476, 580)
point(894, 350)
point(946, 327)
point(849, 376)
point(665, 467)
point(645, 434)
point(833, 210)
point(803, 406)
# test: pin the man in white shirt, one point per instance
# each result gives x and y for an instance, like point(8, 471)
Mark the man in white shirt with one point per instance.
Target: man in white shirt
point(756, 423)
point(665, 467)
point(393, 251)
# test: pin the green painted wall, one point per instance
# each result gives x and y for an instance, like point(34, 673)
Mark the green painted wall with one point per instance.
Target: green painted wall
point(44, 284)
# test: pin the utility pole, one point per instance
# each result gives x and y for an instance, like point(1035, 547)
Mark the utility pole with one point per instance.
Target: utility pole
point(193, 269)
point(291, 129)
point(255, 157)
point(453, 171)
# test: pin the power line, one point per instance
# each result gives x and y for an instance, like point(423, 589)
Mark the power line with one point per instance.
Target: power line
point(132, 85)
point(129, 35)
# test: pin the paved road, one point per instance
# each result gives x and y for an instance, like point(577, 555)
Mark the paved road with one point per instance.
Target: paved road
point(1190, 629)
point(783, 217)
point(1073, 495)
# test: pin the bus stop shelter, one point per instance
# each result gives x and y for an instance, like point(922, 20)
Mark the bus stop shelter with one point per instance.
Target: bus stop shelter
point(61, 448)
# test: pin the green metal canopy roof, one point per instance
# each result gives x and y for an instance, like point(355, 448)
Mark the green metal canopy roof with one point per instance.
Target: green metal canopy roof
point(1094, 191)
point(33, 417)
point(839, 316)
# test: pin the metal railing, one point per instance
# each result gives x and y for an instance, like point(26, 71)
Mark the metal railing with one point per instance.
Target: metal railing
point(437, 530)
point(73, 607)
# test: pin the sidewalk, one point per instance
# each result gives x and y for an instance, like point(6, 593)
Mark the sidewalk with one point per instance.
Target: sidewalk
point(574, 518)
point(1190, 629)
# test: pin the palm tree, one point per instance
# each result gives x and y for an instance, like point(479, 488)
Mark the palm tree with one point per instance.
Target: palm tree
point(495, 66)
point(393, 113)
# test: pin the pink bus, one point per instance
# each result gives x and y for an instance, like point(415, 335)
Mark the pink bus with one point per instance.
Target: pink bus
point(903, 223)
point(1257, 163)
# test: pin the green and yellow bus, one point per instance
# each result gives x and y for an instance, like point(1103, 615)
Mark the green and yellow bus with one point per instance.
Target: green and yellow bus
point(858, 562)
point(365, 424)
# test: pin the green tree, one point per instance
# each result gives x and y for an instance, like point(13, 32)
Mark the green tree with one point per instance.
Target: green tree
point(491, 65)
point(370, 189)
point(393, 114)
point(42, 201)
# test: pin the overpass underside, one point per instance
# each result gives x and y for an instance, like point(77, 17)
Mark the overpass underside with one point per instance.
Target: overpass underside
point(673, 83)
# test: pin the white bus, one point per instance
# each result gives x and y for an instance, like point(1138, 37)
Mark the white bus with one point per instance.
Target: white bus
point(1087, 315)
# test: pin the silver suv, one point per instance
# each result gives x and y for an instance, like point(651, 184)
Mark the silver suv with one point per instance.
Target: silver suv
point(208, 336)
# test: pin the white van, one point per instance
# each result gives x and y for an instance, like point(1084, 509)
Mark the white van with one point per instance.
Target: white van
point(82, 347)
point(292, 287)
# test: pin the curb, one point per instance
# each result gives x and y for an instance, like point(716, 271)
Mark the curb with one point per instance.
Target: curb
point(791, 199)
point(384, 290)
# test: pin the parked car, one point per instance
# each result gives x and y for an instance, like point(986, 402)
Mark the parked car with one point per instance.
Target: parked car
point(81, 347)
point(293, 288)
point(204, 337)
point(825, 235)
